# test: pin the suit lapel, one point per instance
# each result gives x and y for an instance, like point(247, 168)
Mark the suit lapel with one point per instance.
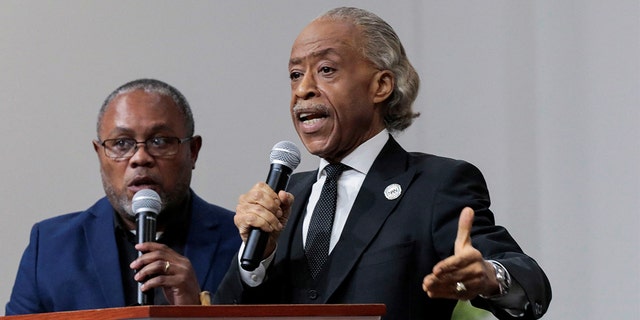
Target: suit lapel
point(301, 187)
point(202, 241)
point(369, 212)
point(103, 252)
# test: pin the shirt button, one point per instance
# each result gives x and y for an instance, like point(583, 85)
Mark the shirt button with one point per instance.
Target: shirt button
point(312, 294)
point(254, 277)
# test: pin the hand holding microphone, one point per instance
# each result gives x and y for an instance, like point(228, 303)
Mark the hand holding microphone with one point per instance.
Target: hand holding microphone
point(159, 266)
point(285, 158)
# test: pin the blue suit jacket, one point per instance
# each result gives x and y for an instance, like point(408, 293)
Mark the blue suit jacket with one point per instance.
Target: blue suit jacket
point(389, 244)
point(71, 262)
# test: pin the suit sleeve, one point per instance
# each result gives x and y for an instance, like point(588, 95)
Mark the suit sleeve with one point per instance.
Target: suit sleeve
point(24, 296)
point(465, 186)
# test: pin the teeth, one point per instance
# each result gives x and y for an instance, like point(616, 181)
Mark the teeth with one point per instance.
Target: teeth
point(302, 116)
point(311, 117)
point(312, 121)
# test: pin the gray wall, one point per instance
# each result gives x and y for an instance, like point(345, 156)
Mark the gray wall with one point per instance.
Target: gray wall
point(543, 96)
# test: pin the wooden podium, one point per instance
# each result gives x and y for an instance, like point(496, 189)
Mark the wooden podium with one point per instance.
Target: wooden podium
point(226, 312)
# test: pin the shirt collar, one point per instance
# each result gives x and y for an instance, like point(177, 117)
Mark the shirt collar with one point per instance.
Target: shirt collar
point(361, 159)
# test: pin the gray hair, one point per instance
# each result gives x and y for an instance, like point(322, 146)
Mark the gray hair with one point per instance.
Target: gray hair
point(152, 86)
point(383, 48)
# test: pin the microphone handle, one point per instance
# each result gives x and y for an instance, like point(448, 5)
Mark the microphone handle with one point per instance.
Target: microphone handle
point(146, 232)
point(277, 179)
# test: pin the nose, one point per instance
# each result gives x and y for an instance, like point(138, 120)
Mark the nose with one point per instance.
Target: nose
point(307, 87)
point(140, 156)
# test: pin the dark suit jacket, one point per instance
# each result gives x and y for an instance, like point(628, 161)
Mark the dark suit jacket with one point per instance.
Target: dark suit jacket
point(388, 246)
point(72, 263)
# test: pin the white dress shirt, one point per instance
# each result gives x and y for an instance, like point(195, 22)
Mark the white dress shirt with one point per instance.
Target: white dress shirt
point(349, 183)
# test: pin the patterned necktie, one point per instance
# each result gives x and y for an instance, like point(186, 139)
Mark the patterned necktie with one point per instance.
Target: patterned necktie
point(319, 233)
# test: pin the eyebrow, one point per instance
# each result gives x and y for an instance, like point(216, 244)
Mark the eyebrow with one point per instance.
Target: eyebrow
point(125, 130)
point(321, 53)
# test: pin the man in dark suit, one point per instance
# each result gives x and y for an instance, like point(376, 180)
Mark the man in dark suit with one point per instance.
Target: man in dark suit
point(89, 259)
point(410, 230)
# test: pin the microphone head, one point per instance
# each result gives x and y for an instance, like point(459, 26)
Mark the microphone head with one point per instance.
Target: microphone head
point(146, 200)
point(285, 153)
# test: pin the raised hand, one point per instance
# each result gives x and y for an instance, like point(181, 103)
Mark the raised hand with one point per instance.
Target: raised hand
point(465, 274)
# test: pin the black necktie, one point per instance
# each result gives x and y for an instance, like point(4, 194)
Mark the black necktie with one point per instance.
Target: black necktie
point(319, 233)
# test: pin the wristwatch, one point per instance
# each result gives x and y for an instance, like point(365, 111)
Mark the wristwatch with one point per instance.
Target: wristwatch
point(503, 277)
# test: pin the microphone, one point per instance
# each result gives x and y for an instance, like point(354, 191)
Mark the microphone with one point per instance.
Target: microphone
point(285, 157)
point(146, 205)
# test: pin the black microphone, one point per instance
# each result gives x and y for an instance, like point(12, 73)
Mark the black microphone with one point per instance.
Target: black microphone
point(146, 205)
point(285, 157)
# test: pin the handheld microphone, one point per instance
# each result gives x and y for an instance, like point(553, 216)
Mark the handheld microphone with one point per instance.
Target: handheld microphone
point(285, 157)
point(146, 205)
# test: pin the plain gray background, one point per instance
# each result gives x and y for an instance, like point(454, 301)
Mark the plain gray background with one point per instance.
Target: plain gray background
point(543, 96)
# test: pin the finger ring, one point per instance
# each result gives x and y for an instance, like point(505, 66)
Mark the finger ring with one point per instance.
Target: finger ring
point(460, 287)
point(166, 266)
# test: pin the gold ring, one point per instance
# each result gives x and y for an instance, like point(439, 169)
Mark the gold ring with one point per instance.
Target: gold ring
point(460, 287)
point(166, 266)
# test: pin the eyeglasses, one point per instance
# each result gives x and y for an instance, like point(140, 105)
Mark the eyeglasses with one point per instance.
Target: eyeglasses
point(125, 148)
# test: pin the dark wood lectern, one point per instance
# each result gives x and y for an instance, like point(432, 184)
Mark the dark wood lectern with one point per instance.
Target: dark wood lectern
point(226, 312)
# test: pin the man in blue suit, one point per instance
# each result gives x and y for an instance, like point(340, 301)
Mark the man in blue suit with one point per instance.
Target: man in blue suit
point(411, 230)
point(89, 259)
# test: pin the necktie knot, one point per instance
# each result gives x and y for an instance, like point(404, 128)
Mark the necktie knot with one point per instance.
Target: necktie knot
point(333, 170)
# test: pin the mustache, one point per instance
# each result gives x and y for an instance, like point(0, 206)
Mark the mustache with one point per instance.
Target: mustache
point(299, 108)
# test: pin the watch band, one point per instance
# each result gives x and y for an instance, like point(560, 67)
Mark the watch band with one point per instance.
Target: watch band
point(503, 277)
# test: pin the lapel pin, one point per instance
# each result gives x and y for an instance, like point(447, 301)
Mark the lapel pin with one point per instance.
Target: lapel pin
point(392, 191)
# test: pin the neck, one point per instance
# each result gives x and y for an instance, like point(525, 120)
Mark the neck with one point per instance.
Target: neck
point(172, 213)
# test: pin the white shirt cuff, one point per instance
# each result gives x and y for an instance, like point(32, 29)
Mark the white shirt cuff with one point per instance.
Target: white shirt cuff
point(256, 277)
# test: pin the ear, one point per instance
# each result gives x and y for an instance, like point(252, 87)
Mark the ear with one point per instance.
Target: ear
point(195, 145)
point(382, 85)
point(96, 147)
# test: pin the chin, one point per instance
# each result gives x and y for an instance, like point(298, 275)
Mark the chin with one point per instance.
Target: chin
point(313, 146)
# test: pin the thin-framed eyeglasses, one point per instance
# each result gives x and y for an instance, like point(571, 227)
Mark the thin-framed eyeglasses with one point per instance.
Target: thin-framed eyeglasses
point(125, 148)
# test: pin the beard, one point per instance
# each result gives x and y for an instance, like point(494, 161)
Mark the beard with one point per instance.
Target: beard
point(170, 199)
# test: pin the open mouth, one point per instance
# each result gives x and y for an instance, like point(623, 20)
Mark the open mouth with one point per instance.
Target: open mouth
point(142, 183)
point(310, 115)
